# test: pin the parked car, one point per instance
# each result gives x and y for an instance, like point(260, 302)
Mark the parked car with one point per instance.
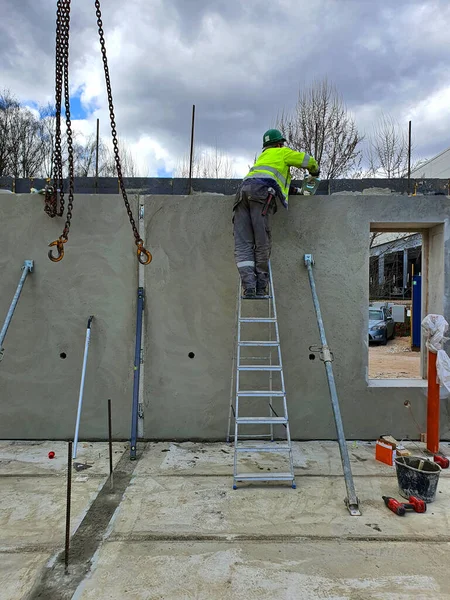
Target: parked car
point(381, 325)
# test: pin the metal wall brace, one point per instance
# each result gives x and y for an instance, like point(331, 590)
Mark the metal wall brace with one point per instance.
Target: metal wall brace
point(83, 377)
point(137, 369)
point(141, 284)
point(27, 267)
point(351, 501)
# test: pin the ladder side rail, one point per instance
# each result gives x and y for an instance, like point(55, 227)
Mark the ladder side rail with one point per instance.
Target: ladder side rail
point(269, 335)
point(238, 363)
point(233, 365)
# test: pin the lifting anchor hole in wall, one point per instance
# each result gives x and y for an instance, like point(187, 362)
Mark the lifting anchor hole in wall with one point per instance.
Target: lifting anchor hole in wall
point(191, 355)
point(63, 355)
point(312, 357)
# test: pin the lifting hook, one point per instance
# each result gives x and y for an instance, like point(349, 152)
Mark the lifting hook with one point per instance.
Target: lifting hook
point(59, 243)
point(144, 256)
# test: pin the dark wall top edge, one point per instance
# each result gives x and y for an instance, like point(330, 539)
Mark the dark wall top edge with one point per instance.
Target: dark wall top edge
point(178, 186)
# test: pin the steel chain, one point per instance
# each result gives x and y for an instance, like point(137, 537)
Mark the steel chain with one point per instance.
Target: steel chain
point(51, 192)
point(61, 75)
point(138, 240)
point(66, 30)
point(58, 173)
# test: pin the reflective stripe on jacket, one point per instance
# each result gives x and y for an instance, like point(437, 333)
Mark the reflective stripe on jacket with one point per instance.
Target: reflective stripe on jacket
point(276, 162)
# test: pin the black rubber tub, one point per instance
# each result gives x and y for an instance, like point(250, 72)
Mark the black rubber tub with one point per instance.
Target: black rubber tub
point(417, 477)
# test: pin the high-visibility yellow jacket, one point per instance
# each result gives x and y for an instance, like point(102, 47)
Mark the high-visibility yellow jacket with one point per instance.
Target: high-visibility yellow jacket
point(275, 163)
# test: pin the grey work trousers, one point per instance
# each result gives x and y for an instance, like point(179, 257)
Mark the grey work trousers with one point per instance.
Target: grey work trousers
point(252, 241)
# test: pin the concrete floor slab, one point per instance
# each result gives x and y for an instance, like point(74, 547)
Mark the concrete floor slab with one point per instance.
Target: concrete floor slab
point(30, 458)
point(33, 490)
point(310, 459)
point(181, 531)
point(17, 573)
point(259, 571)
point(33, 512)
point(198, 507)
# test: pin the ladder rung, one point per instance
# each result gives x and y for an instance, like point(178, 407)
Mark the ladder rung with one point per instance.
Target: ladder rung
point(253, 435)
point(266, 448)
point(257, 320)
point(265, 477)
point(256, 297)
point(258, 343)
point(261, 420)
point(261, 393)
point(260, 368)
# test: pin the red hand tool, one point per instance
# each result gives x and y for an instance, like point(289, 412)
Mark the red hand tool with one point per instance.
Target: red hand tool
point(397, 507)
point(416, 505)
point(400, 508)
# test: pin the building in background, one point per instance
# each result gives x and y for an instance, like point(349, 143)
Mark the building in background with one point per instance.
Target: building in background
point(435, 168)
point(393, 258)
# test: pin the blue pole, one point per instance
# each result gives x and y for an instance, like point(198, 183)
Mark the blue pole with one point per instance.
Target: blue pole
point(137, 371)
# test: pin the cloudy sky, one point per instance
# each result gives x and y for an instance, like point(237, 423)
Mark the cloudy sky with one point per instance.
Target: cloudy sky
point(241, 62)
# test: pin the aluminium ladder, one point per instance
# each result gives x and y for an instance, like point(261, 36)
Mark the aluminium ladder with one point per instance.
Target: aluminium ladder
point(269, 342)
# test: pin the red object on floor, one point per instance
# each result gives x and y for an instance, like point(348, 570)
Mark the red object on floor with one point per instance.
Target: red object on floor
point(51, 454)
point(417, 505)
point(397, 507)
point(442, 461)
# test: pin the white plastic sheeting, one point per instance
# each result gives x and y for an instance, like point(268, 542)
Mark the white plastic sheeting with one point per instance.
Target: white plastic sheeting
point(435, 327)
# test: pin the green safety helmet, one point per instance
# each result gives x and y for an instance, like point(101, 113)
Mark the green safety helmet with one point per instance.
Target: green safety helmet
point(272, 136)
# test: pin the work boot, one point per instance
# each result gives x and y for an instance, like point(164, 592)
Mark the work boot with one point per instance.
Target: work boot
point(262, 291)
point(249, 293)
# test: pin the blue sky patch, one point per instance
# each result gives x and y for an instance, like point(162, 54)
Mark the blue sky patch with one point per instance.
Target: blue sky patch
point(77, 110)
point(162, 172)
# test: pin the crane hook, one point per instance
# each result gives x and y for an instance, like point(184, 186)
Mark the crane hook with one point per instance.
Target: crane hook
point(59, 243)
point(144, 256)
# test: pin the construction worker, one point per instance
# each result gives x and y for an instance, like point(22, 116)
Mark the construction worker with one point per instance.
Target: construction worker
point(267, 180)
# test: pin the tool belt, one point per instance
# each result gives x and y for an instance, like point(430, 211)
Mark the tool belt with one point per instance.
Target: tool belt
point(257, 192)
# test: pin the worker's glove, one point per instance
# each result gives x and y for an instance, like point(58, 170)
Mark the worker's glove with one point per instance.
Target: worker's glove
point(296, 191)
point(315, 173)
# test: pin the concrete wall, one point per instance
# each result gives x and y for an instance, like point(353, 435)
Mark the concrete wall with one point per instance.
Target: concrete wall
point(190, 308)
point(38, 389)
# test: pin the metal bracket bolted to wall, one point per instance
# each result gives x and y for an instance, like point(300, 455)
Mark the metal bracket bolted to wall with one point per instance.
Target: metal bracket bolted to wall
point(351, 501)
point(324, 353)
point(27, 267)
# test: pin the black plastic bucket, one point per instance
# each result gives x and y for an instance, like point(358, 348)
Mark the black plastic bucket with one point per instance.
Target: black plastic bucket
point(417, 477)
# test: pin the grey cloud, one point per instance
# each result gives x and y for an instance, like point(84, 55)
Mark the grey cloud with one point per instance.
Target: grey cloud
point(241, 63)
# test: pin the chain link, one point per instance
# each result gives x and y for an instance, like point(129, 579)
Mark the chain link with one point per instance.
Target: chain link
point(61, 77)
point(65, 59)
point(51, 192)
point(138, 240)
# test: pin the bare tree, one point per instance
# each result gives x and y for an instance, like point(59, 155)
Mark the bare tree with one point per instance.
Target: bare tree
point(387, 149)
point(84, 155)
point(25, 150)
point(27, 145)
point(9, 108)
point(85, 159)
point(127, 162)
point(321, 125)
point(20, 147)
point(208, 163)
